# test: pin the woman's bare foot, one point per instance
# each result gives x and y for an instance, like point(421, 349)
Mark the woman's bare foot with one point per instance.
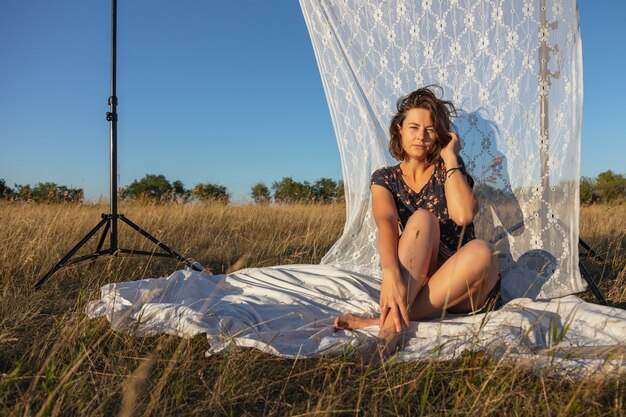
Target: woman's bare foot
point(374, 352)
point(371, 354)
point(351, 322)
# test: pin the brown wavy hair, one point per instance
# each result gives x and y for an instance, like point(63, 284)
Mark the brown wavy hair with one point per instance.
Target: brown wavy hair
point(441, 112)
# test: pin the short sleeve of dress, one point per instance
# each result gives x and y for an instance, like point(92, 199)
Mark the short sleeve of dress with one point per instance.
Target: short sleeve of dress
point(381, 177)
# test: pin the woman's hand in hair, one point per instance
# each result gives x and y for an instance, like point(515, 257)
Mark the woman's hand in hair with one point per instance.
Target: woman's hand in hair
point(450, 152)
point(393, 293)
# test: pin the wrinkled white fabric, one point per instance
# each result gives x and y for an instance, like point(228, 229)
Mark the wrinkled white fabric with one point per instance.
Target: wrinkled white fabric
point(289, 311)
point(507, 64)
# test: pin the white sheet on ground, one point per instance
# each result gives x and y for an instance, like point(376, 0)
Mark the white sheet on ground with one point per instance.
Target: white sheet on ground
point(289, 310)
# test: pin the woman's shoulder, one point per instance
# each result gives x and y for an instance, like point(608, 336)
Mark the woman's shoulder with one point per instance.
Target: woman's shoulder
point(387, 169)
point(385, 176)
point(390, 171)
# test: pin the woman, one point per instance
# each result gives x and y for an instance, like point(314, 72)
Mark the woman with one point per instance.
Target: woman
point(436, 263)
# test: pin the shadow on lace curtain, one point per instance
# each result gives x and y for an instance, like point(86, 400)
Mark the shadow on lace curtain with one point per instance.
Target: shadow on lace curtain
point(501, 217)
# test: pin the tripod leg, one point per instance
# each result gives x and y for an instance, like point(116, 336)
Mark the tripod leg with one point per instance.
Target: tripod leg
point(590, 252)
point(101, 241)
point(594, 288)
point(160, 244)
point(71, 253)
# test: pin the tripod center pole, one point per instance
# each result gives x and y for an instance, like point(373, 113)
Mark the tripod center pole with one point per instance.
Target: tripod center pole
point(112, 118)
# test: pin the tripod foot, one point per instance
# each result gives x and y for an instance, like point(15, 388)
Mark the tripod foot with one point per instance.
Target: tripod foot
point(71, 253)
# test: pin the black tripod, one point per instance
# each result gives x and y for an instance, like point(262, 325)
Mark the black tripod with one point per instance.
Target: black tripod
point(109, 221)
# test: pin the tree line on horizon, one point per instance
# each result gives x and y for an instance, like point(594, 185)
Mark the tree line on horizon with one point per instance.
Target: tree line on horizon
point(158, 189)
point(47, 192)
point(607, 187)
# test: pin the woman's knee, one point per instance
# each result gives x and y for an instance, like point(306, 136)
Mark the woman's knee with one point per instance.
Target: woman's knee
point(421, 219)
point(481, 252)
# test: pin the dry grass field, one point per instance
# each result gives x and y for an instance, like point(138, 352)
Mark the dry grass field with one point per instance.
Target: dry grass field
point(54, 361)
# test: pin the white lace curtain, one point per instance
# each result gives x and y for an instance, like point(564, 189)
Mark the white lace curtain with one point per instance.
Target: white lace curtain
point(515, 69)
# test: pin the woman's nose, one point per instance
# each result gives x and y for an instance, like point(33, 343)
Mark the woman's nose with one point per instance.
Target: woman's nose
point(424, 135)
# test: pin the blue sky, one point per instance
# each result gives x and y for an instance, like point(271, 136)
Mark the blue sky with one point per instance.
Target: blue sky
point(212, 91)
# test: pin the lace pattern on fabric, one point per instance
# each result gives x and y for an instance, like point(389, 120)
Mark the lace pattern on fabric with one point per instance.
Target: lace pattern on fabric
point(516, 71)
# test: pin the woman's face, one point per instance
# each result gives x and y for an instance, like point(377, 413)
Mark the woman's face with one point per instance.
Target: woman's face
point(418, 133)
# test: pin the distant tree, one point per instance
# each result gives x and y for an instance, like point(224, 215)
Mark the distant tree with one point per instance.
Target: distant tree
point(177, 193)
point(45, 191)
point(50, 192)
point(587, 193)
point(5, 191)
point(260, 193)
point(340, 192)
point(324, 190)
point(23, 192)
point(289, 191)
point(70, 195)
point(178, 187)
point(610, 186)
point(211, 192)
point(307, 192)
point(150, 186)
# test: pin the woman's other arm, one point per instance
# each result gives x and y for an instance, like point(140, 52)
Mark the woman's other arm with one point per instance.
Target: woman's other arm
point(462, 204)
point(393, 288)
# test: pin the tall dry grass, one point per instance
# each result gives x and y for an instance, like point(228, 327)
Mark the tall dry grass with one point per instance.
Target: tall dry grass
point(53, 361)
point(603, 227)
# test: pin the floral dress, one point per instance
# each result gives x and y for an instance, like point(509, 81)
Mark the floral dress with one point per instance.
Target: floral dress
point(431, 197)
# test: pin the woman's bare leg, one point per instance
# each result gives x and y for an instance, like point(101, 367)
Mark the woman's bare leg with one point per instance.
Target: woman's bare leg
point(417, 252)
point(461, 285)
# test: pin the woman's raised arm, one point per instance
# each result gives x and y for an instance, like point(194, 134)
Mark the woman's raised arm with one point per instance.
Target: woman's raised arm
point(460, 199)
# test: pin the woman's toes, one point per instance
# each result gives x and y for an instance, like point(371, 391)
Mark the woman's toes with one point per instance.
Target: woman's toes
point(343, 322)
point(336, 324)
